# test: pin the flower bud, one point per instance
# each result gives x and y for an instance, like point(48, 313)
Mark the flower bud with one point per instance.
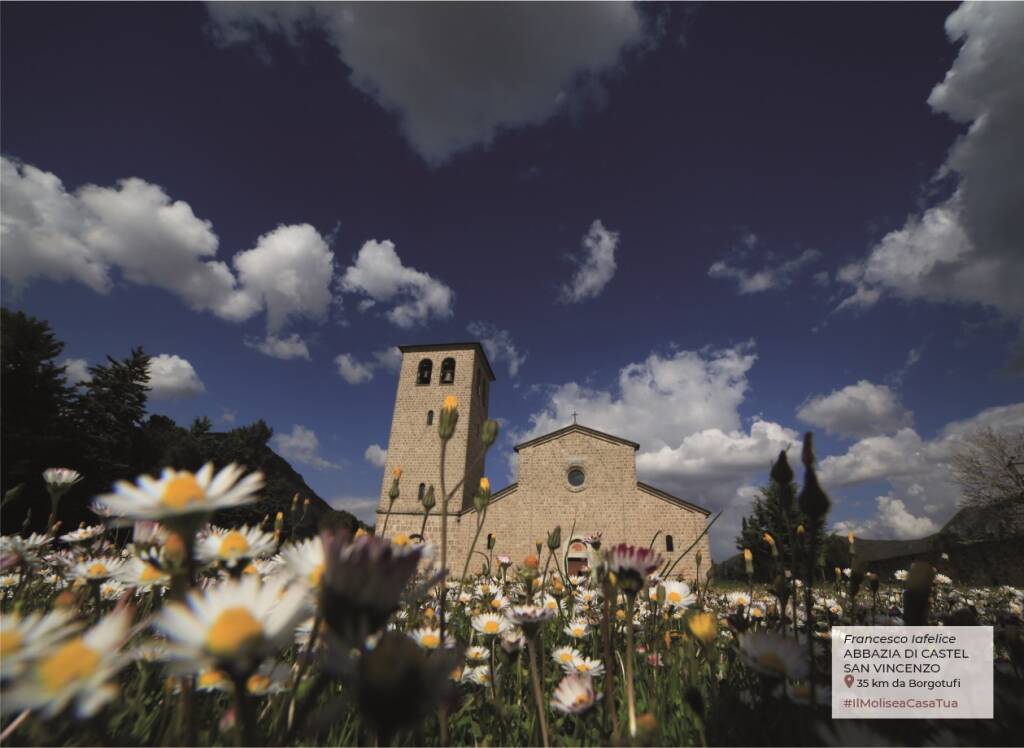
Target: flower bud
point(704, 626)
point(483, 496)
point(555, 538)
point(698, 558)
point(489, 432)
point(394, 492)
point(279, 522)
point(800, 530)
point(531, 562)
point(748, 561)
point(851, 537)
point(813, 500)
point(448, 418)
point(396, 473)
point(491, 538)
point(428, 499)
point(781, 472)
point(807, 455)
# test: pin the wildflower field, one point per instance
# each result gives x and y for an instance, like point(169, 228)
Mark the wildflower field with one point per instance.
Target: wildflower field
point(154, 627)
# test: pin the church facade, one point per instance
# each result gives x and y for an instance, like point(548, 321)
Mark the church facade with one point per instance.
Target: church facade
point(575, 476)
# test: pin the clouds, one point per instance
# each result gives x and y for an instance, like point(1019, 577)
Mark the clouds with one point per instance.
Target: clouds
point(916, 469)
point(284, 348)
point(966, 248)
point(302, 446)
point(893, 520)
point(136, 233)
point(456, 75)
point(774, 276)
point(498, 345)
point(379, 276)
point(76, 370)
point(172, 376)
point(289, 272)
point(376, 455)
point(595, 265)
point(354, 371)
point(858, 410)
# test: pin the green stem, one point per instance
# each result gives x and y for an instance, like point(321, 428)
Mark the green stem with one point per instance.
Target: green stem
point(630, 697)
point(537, 694)
point(476, 537)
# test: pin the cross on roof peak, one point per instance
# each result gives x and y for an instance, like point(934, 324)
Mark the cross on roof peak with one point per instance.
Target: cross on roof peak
point(574, 417)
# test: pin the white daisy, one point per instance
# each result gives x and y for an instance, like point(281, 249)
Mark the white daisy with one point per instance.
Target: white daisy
point(231, 547)
point(490, 624)
point(305, 561)
point(480, 675)
point(23, 639)
point(577, 628)
point(143, 575)
point(678, 595)
point(427, 638)
point(575, 694)
point(773, 655)
point(83, 534)
point(584, 666)
point(78, 669)
point(235, 624)
point(180, 494)
point(477, 654)
point(565, 655)
point(97, 569)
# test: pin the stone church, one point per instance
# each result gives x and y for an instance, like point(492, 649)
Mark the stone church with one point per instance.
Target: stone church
point(573, 475)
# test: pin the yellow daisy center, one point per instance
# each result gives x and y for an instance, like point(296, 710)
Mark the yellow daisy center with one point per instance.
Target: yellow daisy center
point(496, 603)
point(97, 569)
point(674, 597)
point(582, 667)
point(430, 641)
point(234, 630)
point(491, 627)
point(771, 661)
point(233, 545)
point(211, 678)
point(577, 631)
point(620, 614)
point(258, 683)
point(551, 605)
point(565, 657)
point(250, 569)
point(400, 539)
point(73, 661)
point(316, 574)
point(10, 642)
point(581, 699)
point(182, 490)
point(150, 573)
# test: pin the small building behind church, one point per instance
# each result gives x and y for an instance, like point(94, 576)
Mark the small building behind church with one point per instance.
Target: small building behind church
point(575, 476)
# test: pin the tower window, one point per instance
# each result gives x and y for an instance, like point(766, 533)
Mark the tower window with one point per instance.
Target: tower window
point(423, 491)
point(424, 371)
point(576, 477)
point(430, 418)
point(669, 545)
point(448, 371)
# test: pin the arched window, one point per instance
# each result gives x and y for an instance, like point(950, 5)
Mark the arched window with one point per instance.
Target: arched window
point(423, 490)
point(430, 418)
point(424, 371)
point(669, 545)
point(448, 371)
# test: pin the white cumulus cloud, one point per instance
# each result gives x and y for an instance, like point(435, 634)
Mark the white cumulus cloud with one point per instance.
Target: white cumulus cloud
point(172, 376)
point(414, 296)
point(967, 248)
point(354, 371)
point(136, 233)
point(595, 265)
point(375, 455)
point(893, 520)
point(858, 410)
point(498, 345)
point(302, 446)
point(456, 74)
point(284, 348)
point(76, 370)
point(776, 274)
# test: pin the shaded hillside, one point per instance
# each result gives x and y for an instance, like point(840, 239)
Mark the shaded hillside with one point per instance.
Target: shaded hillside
point(984, 546)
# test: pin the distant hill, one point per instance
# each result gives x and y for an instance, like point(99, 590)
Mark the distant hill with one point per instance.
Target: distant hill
point(985, 546)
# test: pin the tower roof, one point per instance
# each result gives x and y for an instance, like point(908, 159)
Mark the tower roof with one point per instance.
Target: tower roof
point(429, 347)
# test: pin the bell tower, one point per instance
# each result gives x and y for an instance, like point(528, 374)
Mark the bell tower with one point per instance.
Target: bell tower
point(428, 375)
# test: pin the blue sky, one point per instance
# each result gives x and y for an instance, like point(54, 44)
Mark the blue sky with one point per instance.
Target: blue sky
point(706, 228)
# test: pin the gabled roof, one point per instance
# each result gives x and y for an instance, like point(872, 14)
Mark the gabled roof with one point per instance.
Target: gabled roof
point(575, 427)
point(669, 497)
point(430, 347)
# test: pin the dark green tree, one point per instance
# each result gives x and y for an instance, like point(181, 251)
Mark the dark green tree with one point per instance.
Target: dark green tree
point(767, 517)
point(35, 403)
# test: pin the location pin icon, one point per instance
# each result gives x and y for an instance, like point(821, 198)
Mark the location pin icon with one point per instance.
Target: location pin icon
point(848, 680)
